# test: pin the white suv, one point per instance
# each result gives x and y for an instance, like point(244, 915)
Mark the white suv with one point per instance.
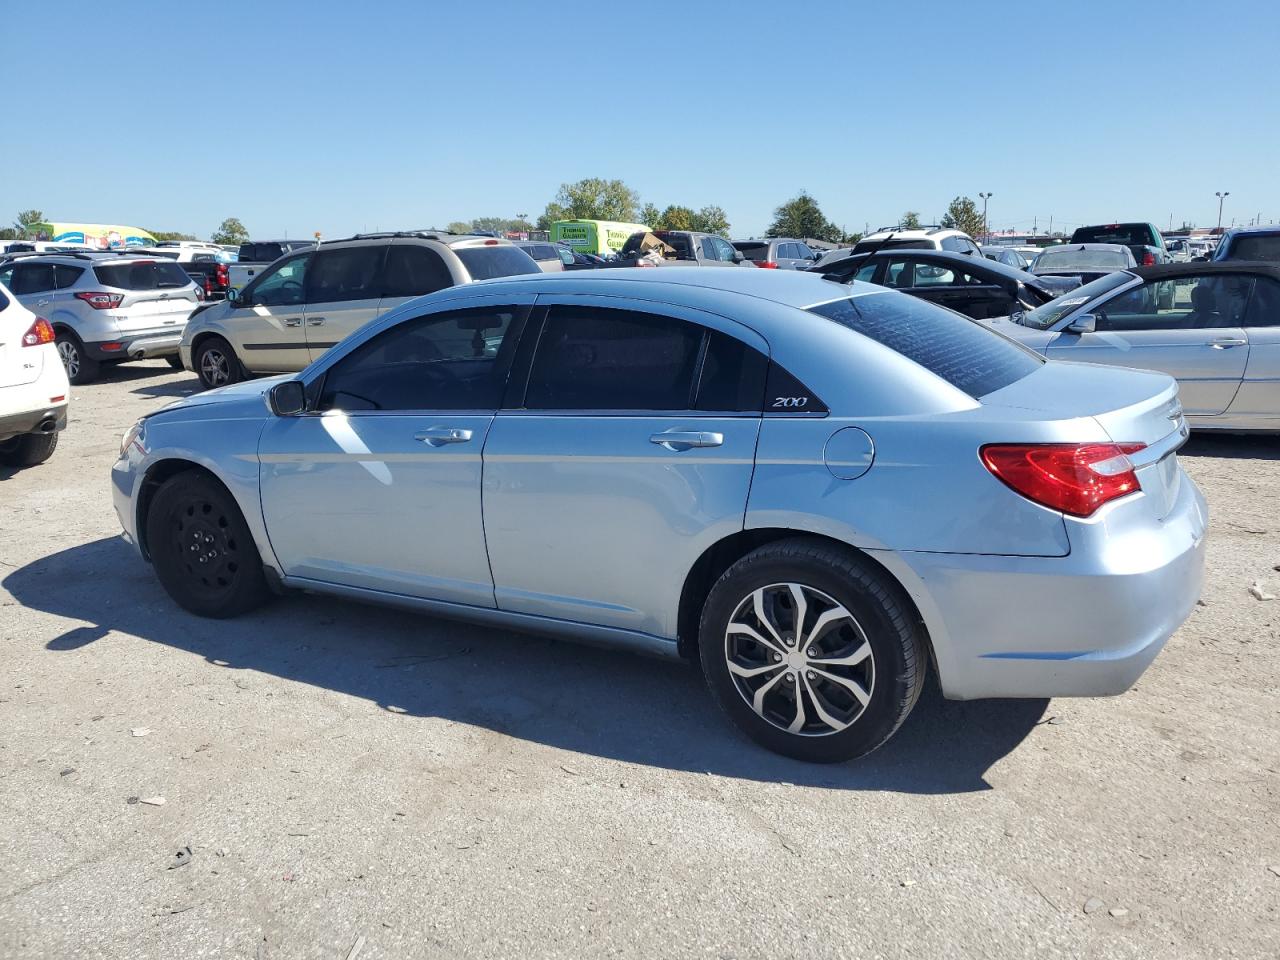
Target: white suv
point(105, 308)
point(924, 238)
point(33, 386)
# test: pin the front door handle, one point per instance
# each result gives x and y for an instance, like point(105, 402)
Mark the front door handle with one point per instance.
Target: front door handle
point(1225, 343)
point(43, 303)
point(687, 439)
point(293, 321)
point(315, 321)
point(439, 436)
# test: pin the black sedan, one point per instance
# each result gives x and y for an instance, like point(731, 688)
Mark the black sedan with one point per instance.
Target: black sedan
point(974, 286)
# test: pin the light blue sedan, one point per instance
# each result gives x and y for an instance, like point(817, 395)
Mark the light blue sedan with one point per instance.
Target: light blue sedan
point(819, 489)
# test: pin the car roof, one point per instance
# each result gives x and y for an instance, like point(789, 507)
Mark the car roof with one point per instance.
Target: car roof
point(921, 234)
point(1259, 228)
point(1167, 270)
point(961, 260)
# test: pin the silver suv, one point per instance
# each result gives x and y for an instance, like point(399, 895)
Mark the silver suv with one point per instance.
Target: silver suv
point(105, 308)
point(306, 302)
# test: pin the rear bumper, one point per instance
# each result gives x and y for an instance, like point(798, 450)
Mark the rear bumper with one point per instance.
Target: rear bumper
point(1087, 624)
point(138, 345)
point(44, 420)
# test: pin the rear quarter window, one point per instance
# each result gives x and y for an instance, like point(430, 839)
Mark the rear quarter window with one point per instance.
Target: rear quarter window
point(961, 351)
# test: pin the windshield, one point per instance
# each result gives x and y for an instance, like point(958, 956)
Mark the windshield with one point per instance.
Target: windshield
point(1075, 257)
point(1042, 318)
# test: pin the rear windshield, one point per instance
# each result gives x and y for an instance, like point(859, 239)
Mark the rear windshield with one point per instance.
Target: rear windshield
point(1256, 248)
point(755, 251)
point(261, 252)
point(1129, 234)
point(862, 246)
point(1061, 259)
point(961, 351)
point(142, 275)
point(486, 263)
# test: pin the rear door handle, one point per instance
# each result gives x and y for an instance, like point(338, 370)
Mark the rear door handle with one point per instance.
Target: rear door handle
point(1224, 343)
point(293, 321)
point(315, 321)
point(439, 436)
point(43, 303)
point(687, 439)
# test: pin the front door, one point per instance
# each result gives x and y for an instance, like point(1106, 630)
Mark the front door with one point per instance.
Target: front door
point(1191, 329)
point(343, 293)
point(628, 455)
point(267, 331)
point(379, 487)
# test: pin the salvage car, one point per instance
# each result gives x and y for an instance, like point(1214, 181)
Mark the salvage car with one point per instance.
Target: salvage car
point(1215, 327)
point(820, 490)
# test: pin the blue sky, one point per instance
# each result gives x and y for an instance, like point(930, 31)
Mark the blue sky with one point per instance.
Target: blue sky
point(339, 117)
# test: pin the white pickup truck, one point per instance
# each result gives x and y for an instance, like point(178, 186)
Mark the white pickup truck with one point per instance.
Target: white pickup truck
point(255, 256)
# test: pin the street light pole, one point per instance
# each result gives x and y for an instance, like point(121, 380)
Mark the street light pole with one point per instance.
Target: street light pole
point(986, 231)
point(1221, 195)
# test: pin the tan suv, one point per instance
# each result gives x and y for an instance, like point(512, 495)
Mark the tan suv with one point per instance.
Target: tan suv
point(306, 302)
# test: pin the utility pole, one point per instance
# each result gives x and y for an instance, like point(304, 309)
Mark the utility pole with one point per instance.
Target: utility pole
point(986, 231)
point(1221, 195)
point(1051, 224)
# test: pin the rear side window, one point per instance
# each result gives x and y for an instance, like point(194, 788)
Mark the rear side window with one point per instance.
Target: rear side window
point(142, 275)
point(488, 263)
point(339, 275)
point(413, 270)
point(961, 351)
point(65, 275)
point(733, 375)
point(597, 359)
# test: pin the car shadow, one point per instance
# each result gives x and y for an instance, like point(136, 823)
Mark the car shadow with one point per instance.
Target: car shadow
point(1232, 446)
point(577, 698)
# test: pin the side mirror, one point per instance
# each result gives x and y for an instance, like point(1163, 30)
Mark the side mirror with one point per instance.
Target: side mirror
point(1085, 323)
point(233, 298)
point(288, 399)
point(737, 256)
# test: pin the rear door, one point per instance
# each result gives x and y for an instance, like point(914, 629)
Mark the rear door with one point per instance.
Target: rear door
point(343, 293)
point(412, 269)
point(1198, 338)
point(624, 452)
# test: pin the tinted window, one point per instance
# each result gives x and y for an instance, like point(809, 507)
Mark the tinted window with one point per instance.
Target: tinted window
point(487, 263)
point(953, 244)
point(732, 375)
point(1264, 308)
point(281, 284)
point(1128, 234)
point(866, 272)
point(596, 359)
point(32, 278)
point(413, 270)
point(959, 350)
point(804, 251)
point(345, 274)
point(1196, 303)
point(1248, 247)
point(445, 361)
point(754, 250)
point(862, 246)
point(1042, 318)
point(66, 275)
point(142, 275)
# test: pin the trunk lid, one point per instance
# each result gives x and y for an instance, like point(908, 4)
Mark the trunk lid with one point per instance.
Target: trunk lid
point(18, 364)
point(156, 293)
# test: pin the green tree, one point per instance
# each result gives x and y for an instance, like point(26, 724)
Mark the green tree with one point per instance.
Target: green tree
point(677, 218)
point(9, 233)
point(231, 231)
point(592, 199)
point(711, 220)
point(909, 221)
point(963, 214)
point(801, 217)
point(651, 216)
point(27, 221)
point(458, 226)
point(171, 235)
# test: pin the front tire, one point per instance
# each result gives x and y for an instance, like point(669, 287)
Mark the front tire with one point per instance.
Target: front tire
point(216, 363)
point(202, 549)
point(175, 361)
point(811, 650)
point(28, 450)
point(80, 367)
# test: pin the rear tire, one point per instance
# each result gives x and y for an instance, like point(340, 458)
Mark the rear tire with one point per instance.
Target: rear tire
point(175, 361)
point(837, 636)
point(80, 367)
point(28, 450)
point(202, 549)
point(216, 363)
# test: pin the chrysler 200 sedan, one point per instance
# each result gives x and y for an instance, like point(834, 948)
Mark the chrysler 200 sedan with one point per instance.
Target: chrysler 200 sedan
point(821, 490)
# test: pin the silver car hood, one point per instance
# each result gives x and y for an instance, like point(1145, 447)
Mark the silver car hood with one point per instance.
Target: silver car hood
point(1037, 340)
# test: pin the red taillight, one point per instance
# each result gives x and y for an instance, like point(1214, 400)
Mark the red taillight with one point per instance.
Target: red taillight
point(1076, 478)
point(766, 265)
point(1148, 258)
point(40, 332)
point(101, 301)
point(220, 274)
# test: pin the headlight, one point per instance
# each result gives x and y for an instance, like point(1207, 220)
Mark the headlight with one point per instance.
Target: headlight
point(130, 438)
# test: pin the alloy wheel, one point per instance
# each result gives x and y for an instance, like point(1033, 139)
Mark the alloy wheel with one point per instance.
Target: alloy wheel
point(215, 369)
point(70, 357)
point(800, 659)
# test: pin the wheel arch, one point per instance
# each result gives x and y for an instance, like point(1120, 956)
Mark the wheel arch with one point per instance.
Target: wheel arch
point(156, 476)
point(724, 553)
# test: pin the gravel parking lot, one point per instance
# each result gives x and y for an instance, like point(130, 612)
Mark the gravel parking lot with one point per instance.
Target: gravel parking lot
point(353, 781)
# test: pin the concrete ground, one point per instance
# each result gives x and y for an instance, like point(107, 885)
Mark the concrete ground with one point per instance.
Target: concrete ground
point(357, 782)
